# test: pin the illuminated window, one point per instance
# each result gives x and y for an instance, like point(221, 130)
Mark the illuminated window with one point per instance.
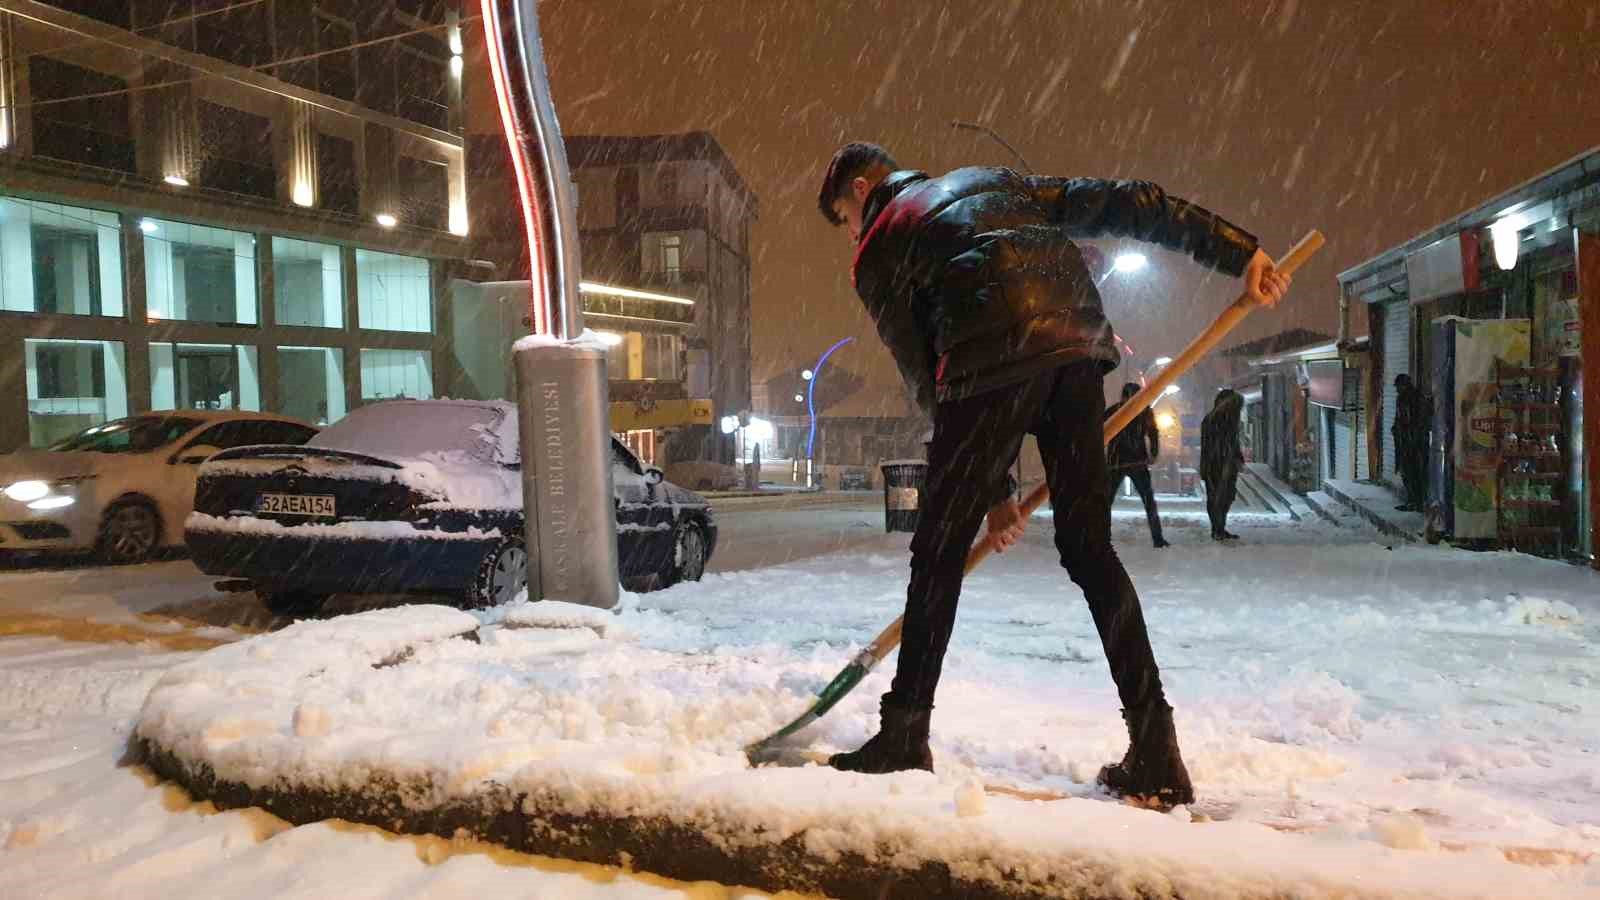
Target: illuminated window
point(311, 383)
point(59, 259)
point(199, 274)
point(73, 385)
point(393, 292)
point(392, 374)
point(672, 257)
point(204, 376)
point(307, 283)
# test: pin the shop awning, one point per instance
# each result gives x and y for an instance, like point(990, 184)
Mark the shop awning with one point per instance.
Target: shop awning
point(630, 415)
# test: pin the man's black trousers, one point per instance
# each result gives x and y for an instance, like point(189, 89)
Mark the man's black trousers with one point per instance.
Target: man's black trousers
point(1141, 483)
point(974, 442)
point(1220, 491)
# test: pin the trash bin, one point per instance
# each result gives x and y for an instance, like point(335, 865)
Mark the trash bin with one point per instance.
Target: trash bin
point(902, 493)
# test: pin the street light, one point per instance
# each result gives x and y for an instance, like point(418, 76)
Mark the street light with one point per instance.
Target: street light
point(1129, 262)
point(806, 374)
point(1125, 263)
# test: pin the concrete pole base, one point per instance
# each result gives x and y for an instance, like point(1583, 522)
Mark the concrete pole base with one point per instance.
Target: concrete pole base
point(566, 474)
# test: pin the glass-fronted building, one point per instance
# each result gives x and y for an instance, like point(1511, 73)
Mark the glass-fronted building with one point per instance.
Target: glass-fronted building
point(180, 229)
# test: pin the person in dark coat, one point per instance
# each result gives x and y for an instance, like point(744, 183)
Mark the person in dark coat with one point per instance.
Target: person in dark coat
point(1220, 459)
point(1413, 419)
point(1131, 454)
point(977, 288)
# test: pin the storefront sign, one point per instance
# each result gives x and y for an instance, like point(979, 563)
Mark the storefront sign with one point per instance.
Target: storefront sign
point(629, 415)
point(1436, 270)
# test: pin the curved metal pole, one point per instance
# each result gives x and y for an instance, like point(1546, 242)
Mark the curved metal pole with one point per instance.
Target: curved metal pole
point(570, 526)
point(539, 158)
point(811, 386)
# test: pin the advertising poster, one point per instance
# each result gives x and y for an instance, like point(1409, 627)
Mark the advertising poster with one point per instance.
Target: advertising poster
point(1480, 418)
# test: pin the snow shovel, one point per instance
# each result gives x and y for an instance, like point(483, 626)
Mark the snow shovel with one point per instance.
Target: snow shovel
point(865, 661)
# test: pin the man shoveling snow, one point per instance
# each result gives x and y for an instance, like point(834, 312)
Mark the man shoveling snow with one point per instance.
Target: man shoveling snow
point(982, 297)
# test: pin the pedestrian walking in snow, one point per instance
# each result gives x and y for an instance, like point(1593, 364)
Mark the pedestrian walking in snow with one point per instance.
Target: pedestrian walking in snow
point(1413, 418)
point(1131, 454)
point(1220, 460)
point(983, 299)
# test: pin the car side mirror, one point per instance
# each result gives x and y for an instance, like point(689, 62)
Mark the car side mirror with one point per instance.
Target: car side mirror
point(195, 455)
point(653, 475)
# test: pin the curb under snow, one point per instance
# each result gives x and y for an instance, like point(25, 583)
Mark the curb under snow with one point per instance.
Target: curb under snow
point(248, 724)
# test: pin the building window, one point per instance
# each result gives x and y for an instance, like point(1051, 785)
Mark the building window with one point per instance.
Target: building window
point(238, 155)
point(672, 258)
point(204, 376)
point(80, 115)
point(643, 444)
point(199, 274)
point(393, 293)
point(311, 383)
point(307, 283)
point(425, 185)
point(336, 71)
point(59, 259)
point(422, 80)
point(616, 355)
point(396, 374)
point(337, 179)
point(240, 33)
point(118, 14)
point(73, 385)
point(667, 186)
point(661, 357)
point(643, 356)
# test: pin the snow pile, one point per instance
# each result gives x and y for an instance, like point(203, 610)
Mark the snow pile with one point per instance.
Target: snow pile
point(649, 720)
point(554, 614)
point(1520, 610)
point(588, 340)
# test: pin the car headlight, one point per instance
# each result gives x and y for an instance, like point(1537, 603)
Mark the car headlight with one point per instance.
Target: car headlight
point(27, 491)
point(56, 502)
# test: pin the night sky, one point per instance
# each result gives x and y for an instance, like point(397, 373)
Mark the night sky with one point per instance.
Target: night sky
point(1370, 120)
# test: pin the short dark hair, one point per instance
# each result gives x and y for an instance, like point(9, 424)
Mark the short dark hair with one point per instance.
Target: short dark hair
point(850, 161)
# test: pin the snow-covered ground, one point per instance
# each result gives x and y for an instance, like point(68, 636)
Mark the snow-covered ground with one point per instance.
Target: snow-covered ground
point(1411, 711)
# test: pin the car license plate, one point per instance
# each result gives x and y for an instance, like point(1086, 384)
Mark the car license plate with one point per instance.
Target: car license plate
point(295, 504)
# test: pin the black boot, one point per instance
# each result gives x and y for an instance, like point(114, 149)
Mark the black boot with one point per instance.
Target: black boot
point(900, 744)
point(1151, 772)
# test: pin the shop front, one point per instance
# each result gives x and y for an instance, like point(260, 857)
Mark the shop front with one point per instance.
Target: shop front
point(1493, 316)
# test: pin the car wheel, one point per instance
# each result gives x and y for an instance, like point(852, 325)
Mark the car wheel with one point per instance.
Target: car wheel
point(128, 533)
point(292, 603)
point(689, 551)
point(501, 576)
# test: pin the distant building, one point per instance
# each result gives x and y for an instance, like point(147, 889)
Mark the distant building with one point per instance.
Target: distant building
point(194, 214)
point(666, 215)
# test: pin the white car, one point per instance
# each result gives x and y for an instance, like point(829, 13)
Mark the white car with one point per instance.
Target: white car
point(123, 488)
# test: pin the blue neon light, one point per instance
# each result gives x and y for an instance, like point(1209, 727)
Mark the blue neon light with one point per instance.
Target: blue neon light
point(811, 386)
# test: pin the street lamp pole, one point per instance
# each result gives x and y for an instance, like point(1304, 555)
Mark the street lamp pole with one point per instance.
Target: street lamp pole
point(811, 406)
point(570, 527)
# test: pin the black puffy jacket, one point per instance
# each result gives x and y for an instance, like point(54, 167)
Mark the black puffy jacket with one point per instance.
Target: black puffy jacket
point(1136, 446)
point(974, 281)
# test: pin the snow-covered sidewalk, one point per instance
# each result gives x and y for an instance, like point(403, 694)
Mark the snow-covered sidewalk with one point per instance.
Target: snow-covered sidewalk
point(1383, 721)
